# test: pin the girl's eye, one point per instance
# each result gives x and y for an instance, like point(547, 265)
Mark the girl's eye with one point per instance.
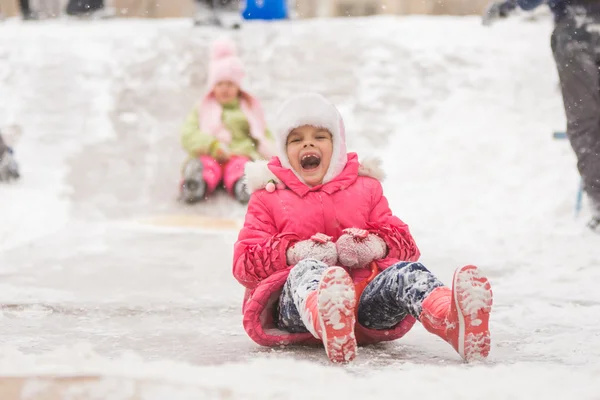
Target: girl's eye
point(321, 137)
point(294, 140)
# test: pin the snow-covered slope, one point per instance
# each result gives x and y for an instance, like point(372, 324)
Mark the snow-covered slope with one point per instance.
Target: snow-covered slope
point(462, 117)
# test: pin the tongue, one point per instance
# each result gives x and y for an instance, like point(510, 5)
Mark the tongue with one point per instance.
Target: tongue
point(310, 162)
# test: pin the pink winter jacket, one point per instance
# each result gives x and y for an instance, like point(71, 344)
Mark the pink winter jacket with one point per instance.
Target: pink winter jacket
point(276, 220)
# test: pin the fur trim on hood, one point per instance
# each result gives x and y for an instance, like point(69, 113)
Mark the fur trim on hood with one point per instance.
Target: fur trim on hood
point(258, 175)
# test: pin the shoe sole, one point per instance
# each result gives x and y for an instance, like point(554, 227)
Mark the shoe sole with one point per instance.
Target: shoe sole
point(473, 300)
point(337, 303)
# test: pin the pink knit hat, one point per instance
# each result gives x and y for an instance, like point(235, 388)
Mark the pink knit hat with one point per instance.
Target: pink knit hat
point(224, 64)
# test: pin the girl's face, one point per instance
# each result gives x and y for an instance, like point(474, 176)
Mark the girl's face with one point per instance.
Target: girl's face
point(226, 91)
point(309, 150)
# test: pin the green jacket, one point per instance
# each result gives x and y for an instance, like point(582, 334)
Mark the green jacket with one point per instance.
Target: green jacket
point(196, 142)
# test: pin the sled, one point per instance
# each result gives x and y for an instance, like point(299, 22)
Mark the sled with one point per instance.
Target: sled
point(193, 222)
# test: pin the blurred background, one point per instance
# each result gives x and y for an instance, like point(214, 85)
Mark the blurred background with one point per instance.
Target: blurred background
point(297, 8)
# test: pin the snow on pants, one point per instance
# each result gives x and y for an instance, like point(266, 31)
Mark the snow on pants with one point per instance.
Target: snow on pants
point(576, 49)
point(396, 292)
point(228, 173)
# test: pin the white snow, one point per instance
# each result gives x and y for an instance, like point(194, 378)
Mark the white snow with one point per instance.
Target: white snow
point(267, 377)
point(336, 303)
point(462, 117)
point(476, 293)
point(335, 298)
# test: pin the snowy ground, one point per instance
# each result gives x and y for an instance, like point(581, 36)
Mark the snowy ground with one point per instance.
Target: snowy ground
point(462, 117)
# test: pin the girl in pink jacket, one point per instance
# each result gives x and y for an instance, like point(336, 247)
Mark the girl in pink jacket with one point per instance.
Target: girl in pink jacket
point(226, 130)
point(323, 258)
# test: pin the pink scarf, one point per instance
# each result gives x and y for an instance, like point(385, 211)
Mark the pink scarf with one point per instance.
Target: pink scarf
point(210, 114)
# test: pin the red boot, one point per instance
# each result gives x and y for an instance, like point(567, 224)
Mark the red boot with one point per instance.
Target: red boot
point(330, 314)
point(461, 316)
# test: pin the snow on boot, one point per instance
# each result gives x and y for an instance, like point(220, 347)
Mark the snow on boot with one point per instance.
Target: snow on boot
point(240, 192)
point(594, 224)
point(8, 166)
point(461, 316)
point(193, 188)
point(330, 314)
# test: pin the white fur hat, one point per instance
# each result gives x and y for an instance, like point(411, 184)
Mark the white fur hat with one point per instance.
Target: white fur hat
point(312, 109)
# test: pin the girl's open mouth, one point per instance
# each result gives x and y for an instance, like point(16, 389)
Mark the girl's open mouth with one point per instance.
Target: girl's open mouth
point(310, 161)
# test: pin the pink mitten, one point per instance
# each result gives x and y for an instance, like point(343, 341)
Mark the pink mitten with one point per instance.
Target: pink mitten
point(319, 247)
point(357, 248)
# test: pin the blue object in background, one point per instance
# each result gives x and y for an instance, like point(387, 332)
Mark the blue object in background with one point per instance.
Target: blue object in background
point(266, 9)
point(560, 135)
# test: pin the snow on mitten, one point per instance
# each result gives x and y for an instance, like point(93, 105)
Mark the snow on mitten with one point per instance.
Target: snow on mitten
point(357, 248)
point(319, 247)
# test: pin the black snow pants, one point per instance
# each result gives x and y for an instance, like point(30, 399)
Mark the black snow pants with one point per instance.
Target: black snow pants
point(576, 49)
